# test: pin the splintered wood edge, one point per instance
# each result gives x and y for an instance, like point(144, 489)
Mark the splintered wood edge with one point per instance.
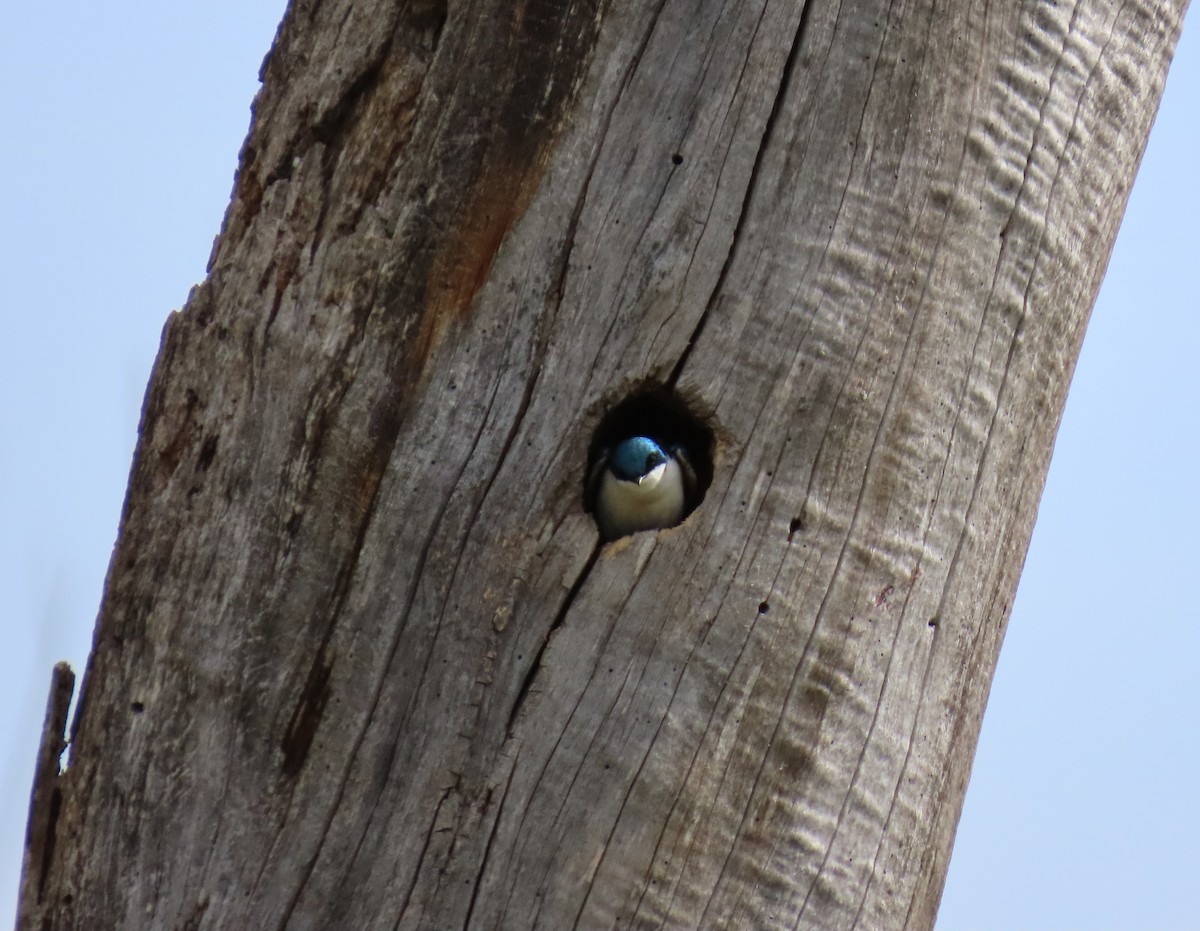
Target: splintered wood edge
point(44, 801)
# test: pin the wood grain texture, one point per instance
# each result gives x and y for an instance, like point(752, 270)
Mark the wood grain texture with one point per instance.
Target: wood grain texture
point(360, 663)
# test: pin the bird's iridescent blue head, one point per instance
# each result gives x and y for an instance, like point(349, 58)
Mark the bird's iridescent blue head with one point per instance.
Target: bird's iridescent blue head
point(635, 457)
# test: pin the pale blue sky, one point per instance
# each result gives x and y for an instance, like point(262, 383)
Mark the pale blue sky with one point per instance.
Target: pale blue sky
point(124, 120)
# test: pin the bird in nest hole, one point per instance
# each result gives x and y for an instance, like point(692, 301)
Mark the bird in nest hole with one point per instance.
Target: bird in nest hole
point(640, 483)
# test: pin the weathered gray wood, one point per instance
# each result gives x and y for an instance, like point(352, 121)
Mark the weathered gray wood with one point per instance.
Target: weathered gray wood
point(862, 238)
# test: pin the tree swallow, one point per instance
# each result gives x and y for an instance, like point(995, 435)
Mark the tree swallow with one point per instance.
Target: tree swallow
point(640, 484)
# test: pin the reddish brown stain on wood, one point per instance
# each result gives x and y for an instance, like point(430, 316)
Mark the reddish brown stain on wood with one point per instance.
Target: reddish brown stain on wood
point(465, 259)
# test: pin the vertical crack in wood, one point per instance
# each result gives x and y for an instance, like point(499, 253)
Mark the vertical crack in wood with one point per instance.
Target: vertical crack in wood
point(559, 618)
point(310, 706)
point(428, 838)
point(306, 716)
point(764, 145)
point(487, 850)
point(410, 599)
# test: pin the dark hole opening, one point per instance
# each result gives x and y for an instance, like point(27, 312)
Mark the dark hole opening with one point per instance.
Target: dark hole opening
point(661, 414)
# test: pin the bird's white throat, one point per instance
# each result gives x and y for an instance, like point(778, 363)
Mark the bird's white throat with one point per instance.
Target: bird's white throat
point(656, 500)
point(653, 477)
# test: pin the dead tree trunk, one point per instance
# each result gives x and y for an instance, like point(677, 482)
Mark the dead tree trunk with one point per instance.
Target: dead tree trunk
point(361, 662)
